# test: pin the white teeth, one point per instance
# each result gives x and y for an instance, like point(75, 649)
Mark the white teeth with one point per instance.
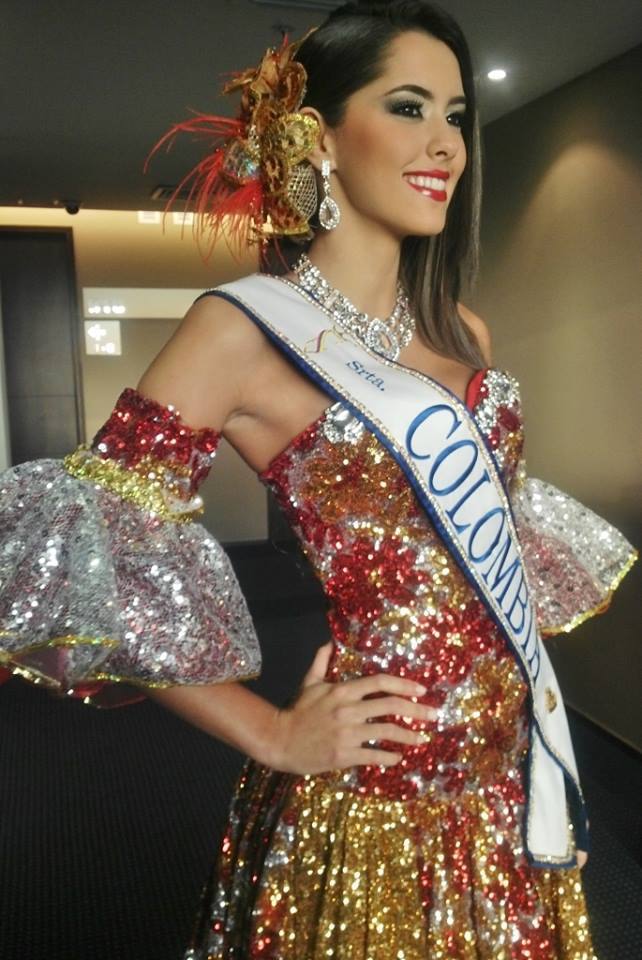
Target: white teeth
point(427, 183)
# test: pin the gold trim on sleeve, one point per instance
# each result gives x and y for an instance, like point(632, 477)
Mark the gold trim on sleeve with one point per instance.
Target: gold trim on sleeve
point(150, 484)
point(601, 607)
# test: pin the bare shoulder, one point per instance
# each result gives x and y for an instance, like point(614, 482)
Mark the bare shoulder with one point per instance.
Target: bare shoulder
point(479, 328)
point(218, 325)
point(201, 369)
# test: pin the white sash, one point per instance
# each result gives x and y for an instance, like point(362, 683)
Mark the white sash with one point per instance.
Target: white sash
point(437, 443)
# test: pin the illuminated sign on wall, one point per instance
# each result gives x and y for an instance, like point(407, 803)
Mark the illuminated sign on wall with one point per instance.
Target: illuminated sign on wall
point(138, 303)
point(102, 338)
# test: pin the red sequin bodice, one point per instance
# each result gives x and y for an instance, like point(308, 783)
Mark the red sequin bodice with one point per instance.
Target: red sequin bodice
point(397, 601)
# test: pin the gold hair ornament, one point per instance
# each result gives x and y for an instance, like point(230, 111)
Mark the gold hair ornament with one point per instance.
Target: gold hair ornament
point(256, 183)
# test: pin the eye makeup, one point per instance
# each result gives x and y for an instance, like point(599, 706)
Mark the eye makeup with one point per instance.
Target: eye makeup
point(412, 108)
point(407, 107)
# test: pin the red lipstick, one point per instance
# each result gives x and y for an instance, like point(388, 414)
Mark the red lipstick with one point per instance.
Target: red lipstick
point(424, 182)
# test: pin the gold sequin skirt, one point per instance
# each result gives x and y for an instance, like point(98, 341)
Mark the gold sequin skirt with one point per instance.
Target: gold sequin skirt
point(308, 870)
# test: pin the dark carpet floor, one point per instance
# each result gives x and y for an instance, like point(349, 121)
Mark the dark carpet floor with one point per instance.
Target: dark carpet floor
point(110, 820)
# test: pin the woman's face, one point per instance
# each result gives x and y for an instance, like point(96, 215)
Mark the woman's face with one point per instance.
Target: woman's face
point(399, 150)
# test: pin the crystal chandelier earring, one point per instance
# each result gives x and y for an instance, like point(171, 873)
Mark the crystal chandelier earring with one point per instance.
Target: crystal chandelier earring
point(329, 213)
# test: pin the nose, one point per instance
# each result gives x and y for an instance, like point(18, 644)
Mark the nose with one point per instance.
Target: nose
point(444, 140)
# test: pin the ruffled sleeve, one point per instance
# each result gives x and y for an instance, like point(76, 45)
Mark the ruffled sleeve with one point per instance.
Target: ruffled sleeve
point(574, 559)
point(107, 585)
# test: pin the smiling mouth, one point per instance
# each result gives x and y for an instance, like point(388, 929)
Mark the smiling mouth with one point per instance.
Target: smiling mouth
point(432, 187)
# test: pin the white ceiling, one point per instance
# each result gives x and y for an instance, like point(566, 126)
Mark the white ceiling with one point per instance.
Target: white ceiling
point(88, 86)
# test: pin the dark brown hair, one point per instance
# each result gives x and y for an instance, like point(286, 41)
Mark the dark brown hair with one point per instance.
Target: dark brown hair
point(343, 55)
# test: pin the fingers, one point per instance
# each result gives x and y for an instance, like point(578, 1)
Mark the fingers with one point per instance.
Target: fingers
point(377, 756)
point(582, 857)
point(336, 727)
point(366, 710)
point(385, 683)
point(394, 733)
point(397, 706)
point(319, 666)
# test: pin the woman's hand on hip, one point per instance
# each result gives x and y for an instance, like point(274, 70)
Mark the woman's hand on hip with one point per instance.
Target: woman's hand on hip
point(329, 726)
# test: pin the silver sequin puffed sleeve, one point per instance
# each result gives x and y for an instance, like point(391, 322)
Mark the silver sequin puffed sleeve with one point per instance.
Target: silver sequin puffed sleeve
point(107, 586)
point(574, 559)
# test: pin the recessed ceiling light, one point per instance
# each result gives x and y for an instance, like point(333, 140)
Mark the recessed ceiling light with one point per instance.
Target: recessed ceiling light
point(496, 74)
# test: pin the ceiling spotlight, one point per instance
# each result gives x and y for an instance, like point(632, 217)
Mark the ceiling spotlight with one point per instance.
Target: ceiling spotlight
point(496, 74)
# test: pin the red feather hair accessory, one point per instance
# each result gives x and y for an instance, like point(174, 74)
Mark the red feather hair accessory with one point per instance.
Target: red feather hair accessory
point(255, 184)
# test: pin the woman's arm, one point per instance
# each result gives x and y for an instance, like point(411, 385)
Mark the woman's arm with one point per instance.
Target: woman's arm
point(202, 372)
point(325, 729)
point(202, 369)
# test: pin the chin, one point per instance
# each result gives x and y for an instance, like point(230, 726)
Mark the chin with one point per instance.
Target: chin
point(425, 229)
point(423, 224)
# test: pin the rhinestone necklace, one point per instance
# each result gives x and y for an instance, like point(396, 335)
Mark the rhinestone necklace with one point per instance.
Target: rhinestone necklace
point(386, 337)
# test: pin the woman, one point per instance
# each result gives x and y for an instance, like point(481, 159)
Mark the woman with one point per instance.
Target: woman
point(448, 820)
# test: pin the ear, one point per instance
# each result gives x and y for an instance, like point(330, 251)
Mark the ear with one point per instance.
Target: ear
point(325, 145)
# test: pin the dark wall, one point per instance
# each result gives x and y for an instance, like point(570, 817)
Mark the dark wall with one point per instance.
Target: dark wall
point(40, 320)
point(561, 288)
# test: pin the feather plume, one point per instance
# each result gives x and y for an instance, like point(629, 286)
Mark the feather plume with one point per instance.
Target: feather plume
point(222, 204)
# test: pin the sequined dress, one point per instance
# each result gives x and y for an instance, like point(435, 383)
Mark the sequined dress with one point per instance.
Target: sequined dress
point(108, 587)
point(424, 859)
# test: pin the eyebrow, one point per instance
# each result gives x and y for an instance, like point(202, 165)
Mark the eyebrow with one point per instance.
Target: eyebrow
point(426, 94)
